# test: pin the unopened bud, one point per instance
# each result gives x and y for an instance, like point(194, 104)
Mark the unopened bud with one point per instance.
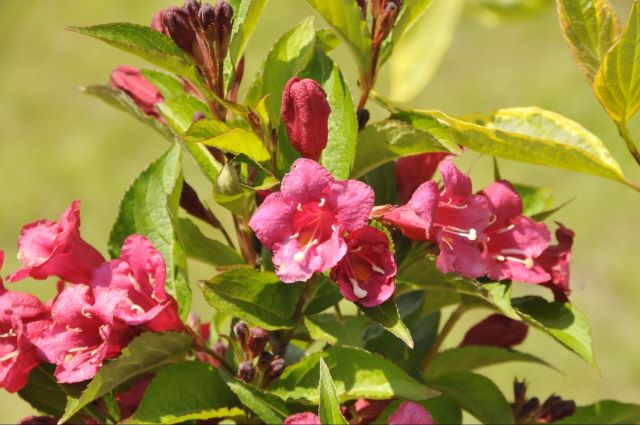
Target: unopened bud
point(387, 13)
point(241, 331)
point(555, 408)
point(265, 359)
point(198, 116)
point(519, 392)
point(207, 16)
point(246, 371)
point(362, 4)
point(305, 112)
point(157, 22)
point(177, 22)
point(192, 7)
point(220, 349)
point(141, 91)
point(275, 369)
point(496, 330)
point(363, 118)
point(529, 408)
point(224, 23)
point(258, 339)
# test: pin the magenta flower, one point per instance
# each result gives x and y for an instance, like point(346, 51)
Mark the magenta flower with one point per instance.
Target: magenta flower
point(55, 248)
point(412, 171)
point(366, 274)
point(142, 92)
point(304, 418)
point(415, 218)
point(512, 242)
point(555, 260)
point(129, 401)
point(84, 332)
point(305, 222)
point(22, 318)
point(140, 273)
point(366, 411)
point(496, 330)
point(410, 413)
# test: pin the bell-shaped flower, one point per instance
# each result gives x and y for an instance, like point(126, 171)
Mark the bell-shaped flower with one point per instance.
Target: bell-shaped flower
point(84, 332)
point(512, 242)
point(304, 223)
point(412, 171)
point(410, 413)
point(496, 330)
point(459, 223)
point(415, 218)
point(22, 318)
point(55, 248)
point(556, 260)
point(142, 92)
point(141, 273)
point(366, 274)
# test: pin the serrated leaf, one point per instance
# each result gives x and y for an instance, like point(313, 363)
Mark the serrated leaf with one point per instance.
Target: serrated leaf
point(240, 142)
point(617, 84)
point(336, 331)
point(183, 392)
point(476, 394)
point(145, 42)
point(346, 19)
point(560, 320)
point(269, 408)
point(388, 140)
point(387, 315)
point(145, 353)
point(356, 374)
point(246, 14)
point(150, 208)
point(329, 404)
point(468, 358)
point(531, 135)
point(590, 27)
point(200, 247)
point(257, 297)
point(604, 412)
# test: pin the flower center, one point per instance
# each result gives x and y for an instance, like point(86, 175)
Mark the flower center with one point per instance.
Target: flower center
point(313, 223)
point(10, 333)
point(508, 255)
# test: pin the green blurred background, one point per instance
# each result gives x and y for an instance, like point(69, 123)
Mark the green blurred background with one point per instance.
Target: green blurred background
point(57, 144)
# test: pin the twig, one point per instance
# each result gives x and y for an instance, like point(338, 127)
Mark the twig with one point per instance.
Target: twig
point(624, 133)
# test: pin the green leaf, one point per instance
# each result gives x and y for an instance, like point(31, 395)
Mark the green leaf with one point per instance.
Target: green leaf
point(326, 40)
point(336, 331)
point(168, 84)
point(150, 208)
point(179, 110)
point(535, 200)
point(604, 412)
point(617, 84)
point(443, 410)
point(386, 314)
point(419, 53)
point(257, 297)
point(560, 320)
point(329, 404)
point(531, 135)
point(245, 18)
point(590, 27)
point(356, 374)
point(290, 55)
point(43, 392)
point(144, 354)
point(476, 394)
point(323, 294)
point(145, 42)
point(200, 247)
point(183, 392)
point(346, 19)
point(472, 357)
point(240, 141)
point(388, 140)
point(269, 408)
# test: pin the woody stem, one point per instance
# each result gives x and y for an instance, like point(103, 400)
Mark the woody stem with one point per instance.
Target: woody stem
point(446, 329)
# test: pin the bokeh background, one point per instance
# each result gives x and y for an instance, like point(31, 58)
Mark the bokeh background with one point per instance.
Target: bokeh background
point(57, 144)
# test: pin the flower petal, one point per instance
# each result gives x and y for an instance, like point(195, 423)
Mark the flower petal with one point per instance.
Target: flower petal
point(410, 413)
point(352, 202)
point(272, 220)
point(305, 182)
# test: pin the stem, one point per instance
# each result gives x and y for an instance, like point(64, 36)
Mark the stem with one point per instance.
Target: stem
point(245, 240)
point(624, 133)
point(281, 339)
point(303, 298)
point(338, 312)
point(446, 329)
point(200, 345)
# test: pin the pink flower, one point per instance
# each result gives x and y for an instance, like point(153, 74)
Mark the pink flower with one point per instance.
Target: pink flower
point(144, 94)
point(55, 248)
point(497, 331)
point(305, 418)
point(410, 413)
point(84, 332)
point(22, 318)
point(140, 273)
point(366, 411)
point(512, 242)
point(305, 112)
point(129, 401)
point(304, 223)
point(415, 218)
point(412, 171)
point(555, 260)
point(366, 274)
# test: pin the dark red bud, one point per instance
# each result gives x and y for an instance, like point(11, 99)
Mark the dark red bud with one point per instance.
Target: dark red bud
point(224, 14)
point(198, 116)
point(157, 23)
point(38, 420)
point(141, 91)
point(363, 117)
point(496, 330)
point(555, 408)
point(177, 22)
point(207, 16)
point(220, 349)
point(241, 331)
point(387, 13)
point(529, 409)
point(275, 369)
point(362, 4)
point(258, 339)
point(305, 112)
point(192, 7)
point(519, 392)
point(265, 359)
point(246, 371)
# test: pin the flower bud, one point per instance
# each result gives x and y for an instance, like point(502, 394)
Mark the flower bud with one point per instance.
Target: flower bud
point(193, 8)
point(555, 408)
point(224, 21)
point(157, 23)
point(305, 112)
point(141, 91)
point(265, 359)
point(362, 4)
point(258, 339)
point(275, 369)
point(412, 171)
point(496, 330)
point(241, 331)
point(220, 349)
point(387, 13)
point(177, 23)
point(246, 371)
point(198, 116)
point(363, 118)
point(207, 16)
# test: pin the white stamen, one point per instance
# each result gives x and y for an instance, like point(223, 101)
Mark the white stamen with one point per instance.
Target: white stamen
point(357, 290)
point(137, 308)
point(377, 269)
point(448, 243)
point(358, 249)
point(499, 257)
point(77, 350)
point(450, 204)
point(473, 235)
point(294, 236)
point(527, 262)
point(512, 251)
point(322, 202)
point(299, 257)
point(70, 329)
point(470, 234)
point(11, 355)
point(506, 229)
point(152, 280)
point(492, 219)
point(299, 207)
point(333, 227)
point(86, 313)
point(93, 352)
point(10, 333)
point(134, 282)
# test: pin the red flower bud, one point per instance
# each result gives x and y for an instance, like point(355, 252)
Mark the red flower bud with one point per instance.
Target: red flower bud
point(305, 112)
point(157, 23)
point(258, 339)
point(241, 331)
point(143, 93)
point(246, 371)
point(207, 16)
point(412, 171)
point(496, 330)
point(177, 22)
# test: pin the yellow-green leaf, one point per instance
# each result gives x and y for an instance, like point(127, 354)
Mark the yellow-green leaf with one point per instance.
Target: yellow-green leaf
point(240, 141)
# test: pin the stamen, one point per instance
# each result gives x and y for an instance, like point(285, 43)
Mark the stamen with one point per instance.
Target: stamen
point(294, 236)
point(470, 234)
point(8, 334)
point(11, 355)
point(77, 349)
point(499, 257)
point(299, 256)
point(322, 202)
point(377, 269)
point(513, 251)
point(86, 313)
point(448, 244)
point(299, 207)
point(450, 204)
point(137, 308)
point(134, 283)
point(70, 329)
point(357, 290)
point(358, 249)
point(492, 219)
point(506, 229)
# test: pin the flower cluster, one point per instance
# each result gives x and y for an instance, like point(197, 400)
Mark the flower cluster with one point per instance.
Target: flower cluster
point(89, 321)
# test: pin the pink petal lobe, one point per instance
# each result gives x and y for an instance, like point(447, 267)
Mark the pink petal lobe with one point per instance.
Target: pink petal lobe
point(352, 201)
point(305, 182)
point(504, 201)
point(272, 221)
point(305, 418)
point(410, 413)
